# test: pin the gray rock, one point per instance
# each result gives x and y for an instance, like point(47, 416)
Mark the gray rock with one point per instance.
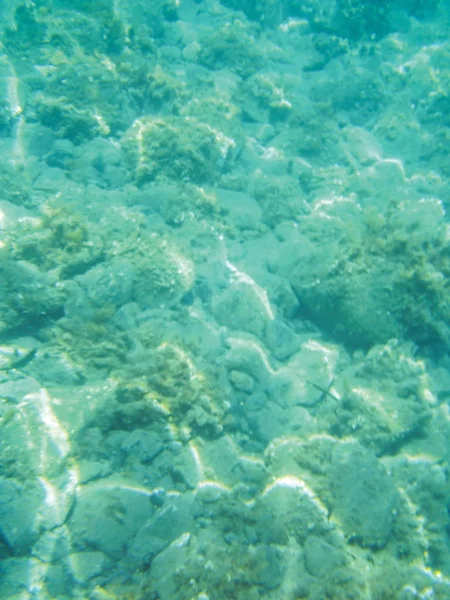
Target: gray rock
point(89, 470)
point(321, 558)
point(125, 317)
point(241, 308)
point(248, 356)
point(268, 565)
point(11, 214)
point(15, 576)
point(19, 507)
point(287, 509)
point(253, 470)
point(163, 275)
point(364, 498)
point(52, 366)
point(241, 381)
point(58, 581)
point(244, 212)
point(108, 284)
point(27, 294)
point(165, 565)
point(39, 140)
point(16, 390)
point(142, 445)
point(119, 513)
point(281, 340)
point(167, 525)
point(86, 565)
point(51, 180)
point(52, 546)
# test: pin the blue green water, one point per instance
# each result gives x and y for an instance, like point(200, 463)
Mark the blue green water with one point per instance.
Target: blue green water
point(224, 300)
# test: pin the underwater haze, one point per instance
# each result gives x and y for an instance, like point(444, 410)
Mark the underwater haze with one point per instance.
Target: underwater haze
point(224, 299)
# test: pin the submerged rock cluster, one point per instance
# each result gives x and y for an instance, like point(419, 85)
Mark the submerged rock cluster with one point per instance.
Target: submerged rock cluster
point(224, 308)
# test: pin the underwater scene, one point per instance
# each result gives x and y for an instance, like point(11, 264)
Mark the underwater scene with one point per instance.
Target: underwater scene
point(224, 299)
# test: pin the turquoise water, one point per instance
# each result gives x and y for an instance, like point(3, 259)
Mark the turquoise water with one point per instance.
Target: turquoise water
point(224, 300)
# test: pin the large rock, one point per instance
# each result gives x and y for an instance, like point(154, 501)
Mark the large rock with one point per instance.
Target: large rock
point(364, 497)
point(20, 504)
point(242, 307)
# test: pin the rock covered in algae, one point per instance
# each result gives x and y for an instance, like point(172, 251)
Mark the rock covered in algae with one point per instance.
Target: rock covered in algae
point(174, 147)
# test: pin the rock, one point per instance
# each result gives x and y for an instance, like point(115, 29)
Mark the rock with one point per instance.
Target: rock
point(241, 308)
point(164, 567)
point(15, 390)
point(52, 366)
point(108, 284)
point(15, 576)
point(160, 531)
point(58, 581)
point(142, 445)
point(119, 509)
point(52, 546)
point(242, 210)
point(252, 470)
point(19, 527)
point(287, 507)
point(364, 498)
point(281, 340)
point(28, 295)
point(163, 275)
point(211, 492)
point(86, 565)
point(10, 215)
point(248, 356)
point(181, 148)
point(221, 457)
point(268, 565)
point(241, 381)
point(89, 470)
point(321, 558)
